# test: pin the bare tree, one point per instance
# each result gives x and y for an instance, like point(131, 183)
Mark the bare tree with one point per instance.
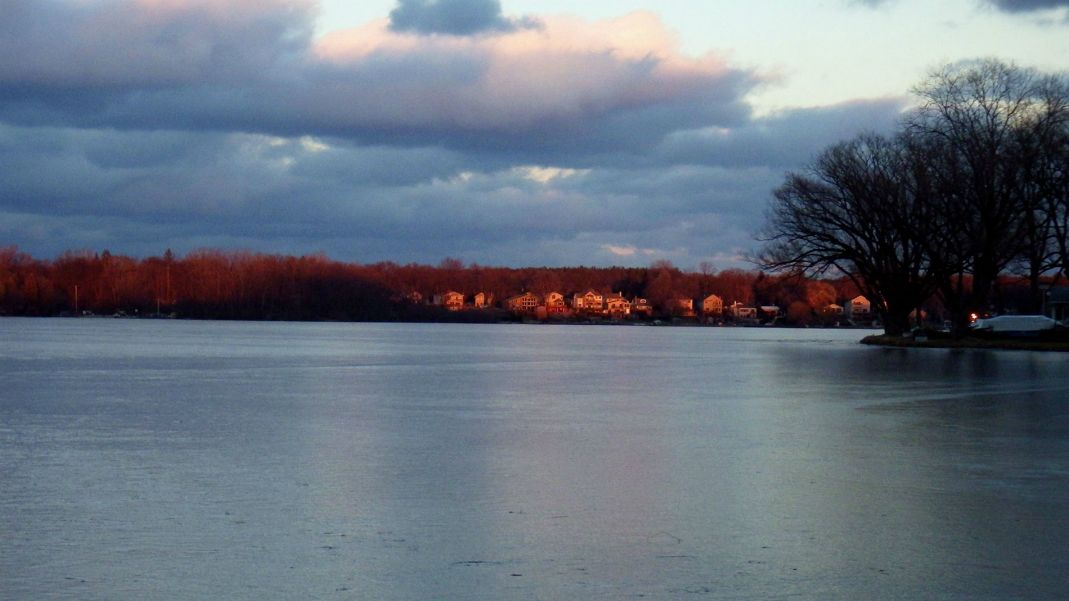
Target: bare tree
point(862, 210)
point(987, 128)
point(1058, 206)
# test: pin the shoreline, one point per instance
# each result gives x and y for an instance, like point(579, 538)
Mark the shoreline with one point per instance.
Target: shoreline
point(1009, 344)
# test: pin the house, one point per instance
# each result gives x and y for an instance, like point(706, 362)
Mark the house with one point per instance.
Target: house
point(641, 306)
point(452, 301)
point(483, 300)
point(712, 305)
point(617, 306)
point(832, 309)
point(683, 307)
point(738, 311)
point(588, 302)
point(555, 304)
point(1056, 303)
point(859, 307)
point(769, 312)
point(527, 302)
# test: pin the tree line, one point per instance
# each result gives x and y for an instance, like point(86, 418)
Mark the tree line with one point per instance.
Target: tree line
point(973, 185)
point(220, 284)
point(216, 284)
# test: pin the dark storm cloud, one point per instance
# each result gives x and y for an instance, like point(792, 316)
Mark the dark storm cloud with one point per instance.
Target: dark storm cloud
point(1010, 6)
point(138, 192)
point(1017, 6)
point(452, 17)
point(134, 44)
point(782, 140)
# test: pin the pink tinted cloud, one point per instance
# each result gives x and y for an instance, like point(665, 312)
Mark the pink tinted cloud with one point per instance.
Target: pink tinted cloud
point(565, 69)
point(253, 65)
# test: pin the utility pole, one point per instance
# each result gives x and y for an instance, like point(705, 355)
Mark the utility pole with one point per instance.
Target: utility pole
point(76, 312)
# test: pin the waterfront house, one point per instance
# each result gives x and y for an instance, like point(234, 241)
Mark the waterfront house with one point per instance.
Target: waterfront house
point(555, 303)
point(452, 300)
point(483, 300)
point(712, 305)
point(527, 302)
point(682, 307)
point(769, 312)
point(740, 312)
point(859, 307)
point(832, 309)
point(617, 306)
point(641, 306)
point(588, 302)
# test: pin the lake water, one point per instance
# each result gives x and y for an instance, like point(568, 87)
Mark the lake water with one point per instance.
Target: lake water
point(174, 460)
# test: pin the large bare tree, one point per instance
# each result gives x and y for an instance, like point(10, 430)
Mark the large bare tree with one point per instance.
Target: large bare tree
point(861, 210)
point(977, 180)
point(989, 131)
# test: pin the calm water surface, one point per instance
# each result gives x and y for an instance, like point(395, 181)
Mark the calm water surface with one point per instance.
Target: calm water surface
point(170, 460)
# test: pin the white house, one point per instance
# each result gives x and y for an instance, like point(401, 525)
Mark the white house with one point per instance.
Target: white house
point(590, 301)
point(859, 307)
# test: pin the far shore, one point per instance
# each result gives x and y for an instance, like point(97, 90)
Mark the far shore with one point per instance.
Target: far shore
point(1015, 344)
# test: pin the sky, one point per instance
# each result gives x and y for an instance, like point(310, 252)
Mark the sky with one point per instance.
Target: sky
point(510, 133)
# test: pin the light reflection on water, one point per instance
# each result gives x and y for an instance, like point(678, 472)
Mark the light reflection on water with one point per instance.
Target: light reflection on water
point(192, 460)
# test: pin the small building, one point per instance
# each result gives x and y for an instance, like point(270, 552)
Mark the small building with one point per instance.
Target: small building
point(588, 302)
point(451, 301)
point(738, 311)
point(483, 300)
point(859, 307)
point(682, 307)
point(769, 312)
point(617, 306)
point(712, 305)
point(832, 309)
point(641, 306)
point(555, 304)
point(527, 302)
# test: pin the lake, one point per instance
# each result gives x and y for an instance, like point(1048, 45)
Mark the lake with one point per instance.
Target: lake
point(180, 460)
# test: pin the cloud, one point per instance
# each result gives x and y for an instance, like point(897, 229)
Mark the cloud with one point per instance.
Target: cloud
point(356, 203)
point(137, 125)
point(1009, 6)
point(870, 3)
point(1018, 6)
point(631, 250)
point(147, 44)
point(238, 65)
point(452, 17)
point(786, 139)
